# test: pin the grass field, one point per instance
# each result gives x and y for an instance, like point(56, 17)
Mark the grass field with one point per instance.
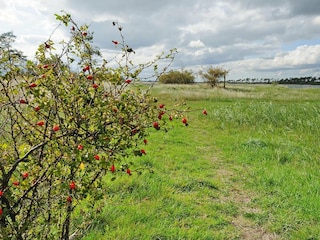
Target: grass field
point(248, 170)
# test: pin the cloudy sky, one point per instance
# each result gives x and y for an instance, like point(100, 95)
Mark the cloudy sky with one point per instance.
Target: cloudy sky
point(251, 38)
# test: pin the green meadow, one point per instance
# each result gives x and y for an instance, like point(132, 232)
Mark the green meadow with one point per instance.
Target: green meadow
point(247, 170)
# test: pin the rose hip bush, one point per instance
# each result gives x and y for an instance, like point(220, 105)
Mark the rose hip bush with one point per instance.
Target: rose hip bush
point(67, 119)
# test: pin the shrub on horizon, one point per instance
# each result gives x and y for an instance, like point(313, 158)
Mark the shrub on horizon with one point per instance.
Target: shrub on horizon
point(177, 77)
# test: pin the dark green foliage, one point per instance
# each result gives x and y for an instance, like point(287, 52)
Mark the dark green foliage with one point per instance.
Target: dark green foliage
point(178, 77)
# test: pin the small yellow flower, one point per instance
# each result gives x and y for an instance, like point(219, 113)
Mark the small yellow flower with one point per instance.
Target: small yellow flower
point(81, 166)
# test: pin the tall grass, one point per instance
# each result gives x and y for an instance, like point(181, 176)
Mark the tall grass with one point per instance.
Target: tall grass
point(267, 137)
point(277, 141)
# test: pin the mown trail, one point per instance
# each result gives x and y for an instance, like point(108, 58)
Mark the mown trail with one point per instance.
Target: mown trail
point(235, 194)
point(232, 191)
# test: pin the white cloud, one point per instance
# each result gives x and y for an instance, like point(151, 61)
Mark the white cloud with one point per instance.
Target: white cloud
point(301, 56)
point(300, 60)
point(316, 21)
point(196, 44)
point(106, 17)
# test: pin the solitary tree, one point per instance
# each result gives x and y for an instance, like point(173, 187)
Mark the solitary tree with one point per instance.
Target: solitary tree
point(213, 74)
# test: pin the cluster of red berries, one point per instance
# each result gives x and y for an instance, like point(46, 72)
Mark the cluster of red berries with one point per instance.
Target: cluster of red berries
point(37, 108)
point(24, 176)
point(184, 120)
point(90, 76)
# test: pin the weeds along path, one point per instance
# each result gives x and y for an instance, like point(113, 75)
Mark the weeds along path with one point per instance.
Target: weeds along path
point(234, 193)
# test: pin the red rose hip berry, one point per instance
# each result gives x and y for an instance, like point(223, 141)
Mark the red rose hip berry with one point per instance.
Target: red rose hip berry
point(156, 125)
point(56, 128)
point(72, 185)
point(184, 121)
point(25, 175)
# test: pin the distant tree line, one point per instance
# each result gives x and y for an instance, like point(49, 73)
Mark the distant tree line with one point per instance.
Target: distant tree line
point(300, 80)
point(293, 80)
point(216, 75)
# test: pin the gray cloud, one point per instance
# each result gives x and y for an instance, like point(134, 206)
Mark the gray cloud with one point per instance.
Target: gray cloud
point(246, 35)
point(306, 7)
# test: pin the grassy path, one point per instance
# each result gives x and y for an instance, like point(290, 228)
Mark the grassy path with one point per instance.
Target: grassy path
point(232, 192)
point(236, 194)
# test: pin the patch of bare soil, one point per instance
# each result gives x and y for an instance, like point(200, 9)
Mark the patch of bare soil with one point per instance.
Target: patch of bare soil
point(249, 230)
